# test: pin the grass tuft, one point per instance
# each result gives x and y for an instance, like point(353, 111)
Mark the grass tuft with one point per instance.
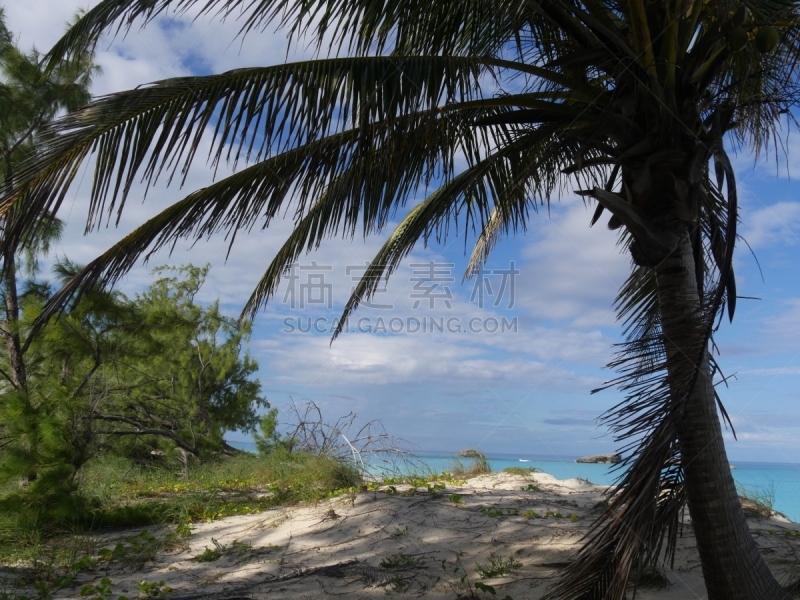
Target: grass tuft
point(757, 500)
point(498, 566)
point(479, 465)
point(402, 561)
point(524, 471)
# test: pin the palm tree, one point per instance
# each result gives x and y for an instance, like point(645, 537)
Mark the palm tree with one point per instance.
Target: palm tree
point(630, 101)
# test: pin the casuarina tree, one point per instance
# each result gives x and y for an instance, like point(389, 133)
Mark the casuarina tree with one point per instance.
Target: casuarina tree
point(29, 99)
point(498, 107)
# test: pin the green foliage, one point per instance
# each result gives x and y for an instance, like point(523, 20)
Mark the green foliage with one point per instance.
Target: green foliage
point(156, 378)
point(125, 495)
point(524, 471)
point(235, 548)
point(99, 591)
point(399, 532)
point(203, 361)
point(153, 589)
point(757, 500)
point(402, 561)
point(485, 588)
point(135, 549)
point(244, 484)
point(488, 589)
point(30, 98)
point(478, 464)
point(498, 566)
point(268, 438)
point(209, 554)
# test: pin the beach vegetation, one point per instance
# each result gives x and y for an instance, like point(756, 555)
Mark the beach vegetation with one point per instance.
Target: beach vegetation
point(151, 382)
point(485, 588)
point(99, 591)
point(492, 110)
point(498, 566)
point(120, 493)
point(488, 590)
point(524, 471)
point(757, 500)
point(30, 98)
point(478, 464)
point(153, 589)
point(399, 532)
point(235, 548)
point(403, 561)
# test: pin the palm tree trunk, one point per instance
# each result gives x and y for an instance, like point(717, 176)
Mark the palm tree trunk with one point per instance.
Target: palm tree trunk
point(732, 564)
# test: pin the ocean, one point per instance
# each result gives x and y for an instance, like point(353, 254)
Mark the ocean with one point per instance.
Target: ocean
point(778, 482)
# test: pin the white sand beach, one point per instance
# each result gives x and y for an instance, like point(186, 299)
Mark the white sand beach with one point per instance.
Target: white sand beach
point(412, 543)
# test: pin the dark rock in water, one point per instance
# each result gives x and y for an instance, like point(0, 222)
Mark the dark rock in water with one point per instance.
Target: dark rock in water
point(605, 459)
point(470, 453)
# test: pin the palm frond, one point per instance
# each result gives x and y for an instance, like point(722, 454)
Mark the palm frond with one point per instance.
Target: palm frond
point(508, 178)
point(249, 112)
point(406, 27)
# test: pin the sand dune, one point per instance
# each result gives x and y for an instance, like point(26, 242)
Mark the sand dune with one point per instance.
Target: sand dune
point(408, 543)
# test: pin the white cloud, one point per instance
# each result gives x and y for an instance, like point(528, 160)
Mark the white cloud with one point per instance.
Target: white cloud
point(772, 225)
point(572, 272)
point(40, 22)
point(364, 359)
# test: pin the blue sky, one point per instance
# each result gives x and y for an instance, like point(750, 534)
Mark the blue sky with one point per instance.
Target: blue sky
point(524, 391)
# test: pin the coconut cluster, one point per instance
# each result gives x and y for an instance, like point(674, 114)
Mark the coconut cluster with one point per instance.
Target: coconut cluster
point(766, 37)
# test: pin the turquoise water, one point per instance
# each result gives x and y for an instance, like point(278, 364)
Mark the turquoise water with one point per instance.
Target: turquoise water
point(780, 481)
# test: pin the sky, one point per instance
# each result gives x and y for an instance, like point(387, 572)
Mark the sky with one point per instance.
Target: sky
point(504, 363)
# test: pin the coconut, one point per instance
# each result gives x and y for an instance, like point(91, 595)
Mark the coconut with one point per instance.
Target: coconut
point(767, 39)
point(737, 39)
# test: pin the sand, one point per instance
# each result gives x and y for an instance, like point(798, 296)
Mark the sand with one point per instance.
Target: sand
point(410, 543)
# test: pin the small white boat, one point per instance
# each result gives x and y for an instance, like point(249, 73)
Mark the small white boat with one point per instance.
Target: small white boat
point(523, 460)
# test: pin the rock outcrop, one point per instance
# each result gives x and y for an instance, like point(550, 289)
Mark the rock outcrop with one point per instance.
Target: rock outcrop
point(605, 459)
